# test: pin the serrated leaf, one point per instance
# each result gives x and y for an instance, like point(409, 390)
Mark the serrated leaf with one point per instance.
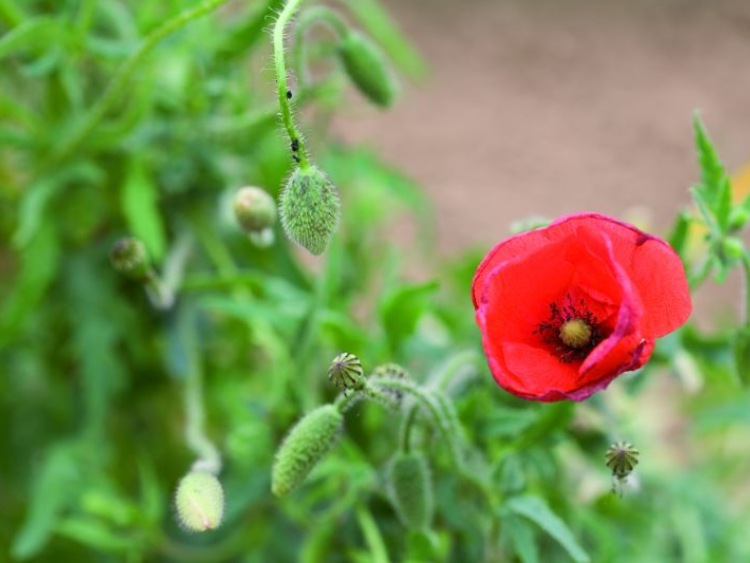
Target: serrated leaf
point(702, 202)
point(536, 510)
point(712, 170)
point(139, 198)
point(401, 309)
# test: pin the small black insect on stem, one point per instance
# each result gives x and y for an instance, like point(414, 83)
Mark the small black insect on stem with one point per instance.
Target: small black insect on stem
point(288, 94)
point(295, 145)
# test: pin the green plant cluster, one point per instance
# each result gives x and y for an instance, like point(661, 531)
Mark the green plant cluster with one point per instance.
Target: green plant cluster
point(142, 119)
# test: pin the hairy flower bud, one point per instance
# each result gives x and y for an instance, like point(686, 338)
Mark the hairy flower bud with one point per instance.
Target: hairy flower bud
point(254, 209)
point(367, 69)
point(410, 487)
point(738, 218)
point(310, 439)
point(130, 258)
point(199, 501)
point(732, 247)
point(309, 208)
point(346, 372)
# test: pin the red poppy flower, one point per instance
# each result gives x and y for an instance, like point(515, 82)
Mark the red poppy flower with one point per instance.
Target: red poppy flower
point(565, 309)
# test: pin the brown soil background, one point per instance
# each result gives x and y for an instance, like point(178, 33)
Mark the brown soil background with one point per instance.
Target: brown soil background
point(547, 107)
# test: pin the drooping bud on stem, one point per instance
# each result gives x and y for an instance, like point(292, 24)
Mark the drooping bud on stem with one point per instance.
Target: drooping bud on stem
point(255, 212)
point(410, 487)
point(130, 258)
point(199, 501)
point(307, 442)
point(367, 69)
point(309, 208)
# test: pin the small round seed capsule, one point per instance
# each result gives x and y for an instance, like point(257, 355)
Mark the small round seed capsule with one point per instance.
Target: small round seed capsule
point(345, 372)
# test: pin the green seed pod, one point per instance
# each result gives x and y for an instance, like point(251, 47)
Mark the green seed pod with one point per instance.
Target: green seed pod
point(199, 501)
point(130, 258)
point(310, 439)
point(309, 208)
point(346, 372)
point(367, 69)
point(410, 487)
point(254, 209)
point(732, 247)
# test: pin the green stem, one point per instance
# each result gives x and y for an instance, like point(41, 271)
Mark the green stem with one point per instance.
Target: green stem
point(315, 15)
point(124, 77)
point(195, 436)
point(406, 426)
point(428, 402)
point(746, 271)
point(295, 137)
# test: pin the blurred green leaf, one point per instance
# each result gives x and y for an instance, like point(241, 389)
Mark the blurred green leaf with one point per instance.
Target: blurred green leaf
point(140, 204)
point(401, 308)
point(35, 34)
point(741, 347)
point(55, 487)
point(522, 538)
point(537, 511)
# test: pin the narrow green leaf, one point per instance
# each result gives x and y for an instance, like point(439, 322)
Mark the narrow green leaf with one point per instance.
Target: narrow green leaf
point(521, 537)
point(537, 510)
point(94, 533)
point(140, 197)
point(701, 198)
point(54, 488)
point(33, 34)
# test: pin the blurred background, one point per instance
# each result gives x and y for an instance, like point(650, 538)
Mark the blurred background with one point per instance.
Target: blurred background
point(548, 107)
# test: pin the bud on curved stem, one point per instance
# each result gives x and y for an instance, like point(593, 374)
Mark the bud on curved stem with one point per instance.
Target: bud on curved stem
point(368, 69)
point(254, 209)
point(307, 442)
point(130, 258)
point(410, 488)
point(309, 208)
point(199, 501)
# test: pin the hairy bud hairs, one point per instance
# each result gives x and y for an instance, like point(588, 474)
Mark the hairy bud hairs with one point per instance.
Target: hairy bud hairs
point(407, 475)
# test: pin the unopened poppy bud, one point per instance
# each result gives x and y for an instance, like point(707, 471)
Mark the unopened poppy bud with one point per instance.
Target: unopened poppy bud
point(410, 485)
point(309, 208)
point(199, 501)
point(738, 218)
point(346, 372)
point(367, 69)
point(310, 439)
point(254, 209)
point(732, 247)
point(130, 258)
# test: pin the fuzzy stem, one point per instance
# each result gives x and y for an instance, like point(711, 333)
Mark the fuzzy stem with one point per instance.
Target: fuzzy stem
point(124, 78)
point(295, 137)
point(429, 403)
point(406, 425)
point(310, 17)
point(195, 436)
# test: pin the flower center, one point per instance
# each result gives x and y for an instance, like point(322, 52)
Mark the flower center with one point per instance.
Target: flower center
point(575, 333)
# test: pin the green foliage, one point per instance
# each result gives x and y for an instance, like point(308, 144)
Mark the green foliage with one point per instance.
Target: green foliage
point(142, 119)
